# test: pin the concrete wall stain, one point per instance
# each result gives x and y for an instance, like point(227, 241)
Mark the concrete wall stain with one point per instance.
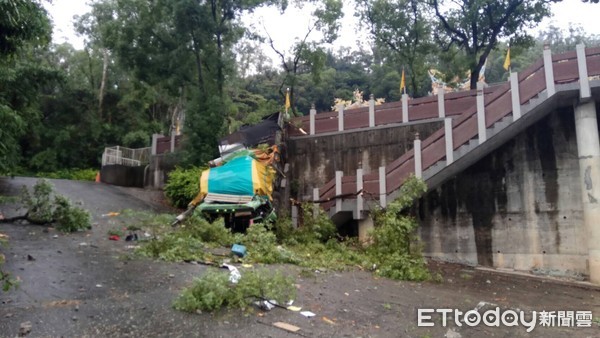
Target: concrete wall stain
point(479, 197)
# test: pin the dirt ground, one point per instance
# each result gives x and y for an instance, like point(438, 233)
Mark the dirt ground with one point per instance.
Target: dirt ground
point(83, 285)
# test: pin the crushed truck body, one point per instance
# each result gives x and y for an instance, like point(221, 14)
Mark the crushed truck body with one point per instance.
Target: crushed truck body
point(239, 189)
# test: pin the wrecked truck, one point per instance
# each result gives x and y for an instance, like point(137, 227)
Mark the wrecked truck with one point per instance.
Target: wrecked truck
point(239, 188)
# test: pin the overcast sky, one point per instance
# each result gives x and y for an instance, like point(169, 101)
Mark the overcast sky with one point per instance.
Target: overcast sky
point(284, 28)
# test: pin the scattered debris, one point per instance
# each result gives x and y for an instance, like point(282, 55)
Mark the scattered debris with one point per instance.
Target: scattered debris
point(114, 237)
point(111, 214)
point(83, 244)
point(329, 321)
point(98, 285)
point(25, 328)
point(131, 237)
point(55, 236)
point(294, 308)
point(488, 281)
point(234, 273)
point(308, 314)
point(266, 305)
point(238, 250)
point(286, 326)
point(30, 258)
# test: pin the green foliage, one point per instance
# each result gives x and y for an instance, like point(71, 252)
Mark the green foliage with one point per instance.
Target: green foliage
point(187, 243)
point(183, 185)
point(6, 282)
point(68, 217)
point(402, 31)
point(43, 208)
point(213, 291)
point(175, 247)
point(315, 229)
point(70, 174)
point(262, 246)
point(39, 203)
point(479, 25)
point(22, 22)
point(393, 249)
point(136, 139)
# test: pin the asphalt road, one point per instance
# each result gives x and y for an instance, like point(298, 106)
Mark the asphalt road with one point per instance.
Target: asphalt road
point(84, 285)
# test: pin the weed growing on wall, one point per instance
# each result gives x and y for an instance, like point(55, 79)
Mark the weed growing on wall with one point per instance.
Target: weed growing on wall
point(214, 290)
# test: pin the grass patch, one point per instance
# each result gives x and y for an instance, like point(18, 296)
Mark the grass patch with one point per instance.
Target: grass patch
point(71, 174)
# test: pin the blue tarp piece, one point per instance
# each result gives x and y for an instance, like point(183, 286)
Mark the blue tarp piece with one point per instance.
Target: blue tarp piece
point(235, 178)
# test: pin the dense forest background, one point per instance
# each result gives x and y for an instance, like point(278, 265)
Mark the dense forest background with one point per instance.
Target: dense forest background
point(146, 61)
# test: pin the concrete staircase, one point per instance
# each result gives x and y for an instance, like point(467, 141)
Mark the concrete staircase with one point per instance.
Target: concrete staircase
point(531, 95)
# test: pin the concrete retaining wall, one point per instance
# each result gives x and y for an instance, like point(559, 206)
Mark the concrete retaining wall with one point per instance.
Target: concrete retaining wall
point(122, 175)
point(314, 159)
point(520, 207)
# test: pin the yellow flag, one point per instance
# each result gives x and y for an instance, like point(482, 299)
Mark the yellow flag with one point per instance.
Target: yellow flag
point(402, 83)
point(507, 60)
point(287, 99)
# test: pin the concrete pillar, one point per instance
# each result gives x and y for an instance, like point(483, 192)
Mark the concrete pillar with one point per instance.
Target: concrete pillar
point(382, 188)
point(341, 117)
point(404, 108)
point(549, 71)
point(365, 226)
point(338, 190)
point(316, 197)
point(295, 216)
point(588, 149)
point(481, 114)
point(313, 113)
point(418, 162)
point(515, 96)
point(155, 142)
point(172, 141)
point(359, 197)
point(441, 105)
point(449, 140)
point(371, 110)
point(584, 81)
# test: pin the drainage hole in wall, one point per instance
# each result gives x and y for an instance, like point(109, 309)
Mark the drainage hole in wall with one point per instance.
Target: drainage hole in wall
point(510, 219)
point(498, 251)
point(544, 252)
point(455, 251)
point(564, 217)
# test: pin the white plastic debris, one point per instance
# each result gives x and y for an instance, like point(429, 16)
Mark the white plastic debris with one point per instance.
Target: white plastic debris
point(307, 314)
point(234, 273)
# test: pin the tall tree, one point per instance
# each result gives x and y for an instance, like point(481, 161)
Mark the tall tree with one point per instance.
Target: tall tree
point(24, 25)
point(306, 55)
point(475, 26)
point(403, 28)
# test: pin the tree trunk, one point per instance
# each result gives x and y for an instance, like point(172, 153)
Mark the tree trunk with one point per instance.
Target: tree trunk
point(103, 83)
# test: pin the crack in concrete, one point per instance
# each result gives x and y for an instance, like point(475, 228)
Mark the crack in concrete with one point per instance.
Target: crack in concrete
point(587, 178)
